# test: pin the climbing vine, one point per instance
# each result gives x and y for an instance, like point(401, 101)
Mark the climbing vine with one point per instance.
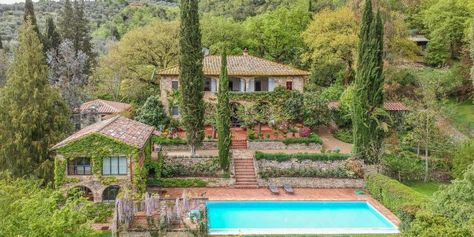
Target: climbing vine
point(96, 147)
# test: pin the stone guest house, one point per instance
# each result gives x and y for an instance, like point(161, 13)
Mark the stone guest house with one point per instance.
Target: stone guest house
point(246, 74)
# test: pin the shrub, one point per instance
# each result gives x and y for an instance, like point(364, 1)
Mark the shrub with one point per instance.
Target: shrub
point(397, 197)
point(177, 183)
point(356, 166)
point(99, 212)
point(344, 135)
point(313, 138)
point(431, 224)
point(463, 158)
point(339, 172)
point(281, 157)
point(208, 168)
point(305, 132)
point(169, 141)
point(403, 165)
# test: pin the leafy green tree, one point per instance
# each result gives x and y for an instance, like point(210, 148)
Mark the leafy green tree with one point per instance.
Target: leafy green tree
point(223, 116)
point(368, 112)
point(1, 43)
point(220, 32)
point(316, 111)
point(402, 165)
point(30, 15)
point(3, 67)
point(332, 40)
point(52, 39)
point(28, 209)
point(447, 22)
point(126, 72)
point(191, 74)
point(472, 51)
point(33, 116)
point(276, 35)
point(153, 113)
point(463, 157)
point(428, 224)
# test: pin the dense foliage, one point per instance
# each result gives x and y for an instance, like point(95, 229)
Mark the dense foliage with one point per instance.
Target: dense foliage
point(153, 113)
point(400, 199)
point(33, 116)
point(29, 209)
point(338, 172)
point(176, 183)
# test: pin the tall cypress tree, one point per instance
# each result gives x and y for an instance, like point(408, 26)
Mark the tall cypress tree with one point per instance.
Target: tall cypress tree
point(30, 14)
point(191, 77)
point(1, 43)
point(33, 116)
point(52, 39)
point(223, 115)
point(66, 21)
point(82, 38)
point(368, 112)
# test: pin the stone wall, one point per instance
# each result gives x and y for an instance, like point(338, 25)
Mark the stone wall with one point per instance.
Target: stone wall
point(191, 167)
point(294, 163)
point(206, 145)
point(307, 182)
point(277, 145)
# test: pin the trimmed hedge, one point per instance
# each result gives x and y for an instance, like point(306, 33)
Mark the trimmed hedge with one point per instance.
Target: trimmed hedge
point(399, 198)
point(281, 157)
point(169, 141)
point(339, 172)
point(176, 183)
point(313, 138)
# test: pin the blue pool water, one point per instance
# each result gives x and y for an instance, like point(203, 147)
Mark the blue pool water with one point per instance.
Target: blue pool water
point(296, 217)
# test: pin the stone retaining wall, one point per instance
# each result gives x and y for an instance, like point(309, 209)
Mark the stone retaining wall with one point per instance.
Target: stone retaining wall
point(295, 163)
point(206, 145)
point(276, 145)
point(307, 182)
point(196, 166)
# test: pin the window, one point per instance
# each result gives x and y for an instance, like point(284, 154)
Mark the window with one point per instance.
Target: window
point(175, 110)
point(208, 84)
point(115, 165)
point(110, 193)
point(174, 85)
point(79, 166)
point(289, 85)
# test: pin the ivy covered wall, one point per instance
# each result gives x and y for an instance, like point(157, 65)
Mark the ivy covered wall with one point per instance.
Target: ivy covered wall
point(96, 147)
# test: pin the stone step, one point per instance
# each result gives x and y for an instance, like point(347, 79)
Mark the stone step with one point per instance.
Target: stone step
point(244, 180)
point(246, 186)
point(244, 169)
point(240, 172)
point(246, 183)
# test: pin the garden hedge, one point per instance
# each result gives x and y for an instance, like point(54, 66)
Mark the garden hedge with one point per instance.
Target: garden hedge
point(399, 198)
point(281, 157)
point(176, 183)
point(169, 141)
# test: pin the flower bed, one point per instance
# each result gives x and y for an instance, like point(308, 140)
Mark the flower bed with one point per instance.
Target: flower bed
point(190, 167)
point(300, 156)
point(338, 172)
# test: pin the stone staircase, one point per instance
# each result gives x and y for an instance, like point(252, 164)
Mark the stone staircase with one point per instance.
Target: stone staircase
point(244, 169)
point(238, 144)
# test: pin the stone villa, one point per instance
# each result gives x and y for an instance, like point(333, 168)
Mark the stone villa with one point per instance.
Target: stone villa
point(97, 110)
point(246, 74)
point(104, 157)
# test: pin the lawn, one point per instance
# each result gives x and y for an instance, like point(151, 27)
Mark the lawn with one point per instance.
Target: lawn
point(462, 116)
point(427, 188)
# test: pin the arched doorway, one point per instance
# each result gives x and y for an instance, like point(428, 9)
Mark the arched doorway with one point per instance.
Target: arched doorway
point(235, 121)
point(110, 193)
point(84, 191)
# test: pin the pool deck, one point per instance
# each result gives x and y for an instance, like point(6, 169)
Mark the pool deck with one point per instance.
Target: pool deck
point(263, 194)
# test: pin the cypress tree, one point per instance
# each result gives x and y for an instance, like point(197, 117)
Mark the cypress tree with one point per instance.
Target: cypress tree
point(52, 39)
point(30, 14)
point(223, 116)
point(66, 21)
point(1, 43)
point(368, 89)
point(191, 77)
point(33, 116)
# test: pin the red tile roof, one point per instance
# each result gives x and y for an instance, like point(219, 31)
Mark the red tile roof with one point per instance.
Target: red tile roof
point(105, 106)
point(389, 105)
point(242, 65)
point(120, 128)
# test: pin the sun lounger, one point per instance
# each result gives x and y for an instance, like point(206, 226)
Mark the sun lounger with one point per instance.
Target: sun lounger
point(273, 188)
point(288, 189)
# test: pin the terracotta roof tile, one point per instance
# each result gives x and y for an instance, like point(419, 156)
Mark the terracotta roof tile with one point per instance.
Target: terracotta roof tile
point(105, 106)
point(242, 65)
point(389, 105)
point(123, 129)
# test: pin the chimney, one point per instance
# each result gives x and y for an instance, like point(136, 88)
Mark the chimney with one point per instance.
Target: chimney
point(246, 52)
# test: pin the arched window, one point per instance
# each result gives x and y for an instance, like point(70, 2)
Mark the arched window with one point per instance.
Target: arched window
point(110, 193)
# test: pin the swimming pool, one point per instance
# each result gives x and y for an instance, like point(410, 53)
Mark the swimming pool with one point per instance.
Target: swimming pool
point(296, 217)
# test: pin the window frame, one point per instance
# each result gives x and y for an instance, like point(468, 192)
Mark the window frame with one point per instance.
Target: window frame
point(118, 173)
point(289, 85)
point(173, 83)
point(173, 110)
point(75, 164)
